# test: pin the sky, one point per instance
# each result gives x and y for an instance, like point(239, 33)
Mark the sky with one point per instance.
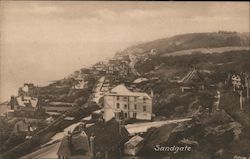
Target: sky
point(47, 40)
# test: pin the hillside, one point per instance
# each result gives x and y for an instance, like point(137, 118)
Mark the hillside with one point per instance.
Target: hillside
point(212, 133)
point(192, 41)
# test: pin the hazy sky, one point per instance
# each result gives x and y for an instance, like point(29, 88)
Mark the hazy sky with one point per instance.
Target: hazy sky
point(42, 41)
point(116, 21)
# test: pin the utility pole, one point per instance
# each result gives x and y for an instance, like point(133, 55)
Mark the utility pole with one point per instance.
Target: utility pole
point(237, 85)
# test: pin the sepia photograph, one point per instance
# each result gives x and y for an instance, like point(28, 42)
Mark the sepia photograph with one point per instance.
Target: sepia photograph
point(124, 80)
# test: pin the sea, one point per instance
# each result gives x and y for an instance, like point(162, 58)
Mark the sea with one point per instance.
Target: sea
point(40, 63)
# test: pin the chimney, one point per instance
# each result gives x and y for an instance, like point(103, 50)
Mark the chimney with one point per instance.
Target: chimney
point(92, 146)
point(152, 93)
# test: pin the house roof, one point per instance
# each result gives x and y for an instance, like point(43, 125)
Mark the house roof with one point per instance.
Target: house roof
point(192, 76)
point(81, 144)
point(120, 89)
point(64, 149)
point(135, 140)
point(107, 135)
point(27, 100)
point(123, 91)
point(78, 145)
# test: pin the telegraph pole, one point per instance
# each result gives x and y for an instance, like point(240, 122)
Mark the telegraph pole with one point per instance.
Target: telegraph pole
point(237, 85)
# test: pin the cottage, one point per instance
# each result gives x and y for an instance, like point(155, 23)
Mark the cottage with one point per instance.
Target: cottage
point(109, 138)
point(121, 103)
point(75, 145)
point(192, 80)
point(133, 146)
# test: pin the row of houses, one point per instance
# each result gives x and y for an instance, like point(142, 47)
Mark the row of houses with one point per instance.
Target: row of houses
point(118, 68)
point(108, 141)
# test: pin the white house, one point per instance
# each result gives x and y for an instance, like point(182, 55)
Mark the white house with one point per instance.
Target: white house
point(121, 103)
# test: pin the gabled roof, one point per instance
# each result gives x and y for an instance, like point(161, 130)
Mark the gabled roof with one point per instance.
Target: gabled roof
point(64, 149)
point(107, 135)
point(120, 89)
point(135, 140)
point(77, 145)
point(192, 76)
point(123, 91)
point(26, 100)
point(81, 144)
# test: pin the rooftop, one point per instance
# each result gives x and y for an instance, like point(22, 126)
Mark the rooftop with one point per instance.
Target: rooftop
point(75, 146)
point(107, 135)
point(26, 101)
point(135, 140)
point(123, 91)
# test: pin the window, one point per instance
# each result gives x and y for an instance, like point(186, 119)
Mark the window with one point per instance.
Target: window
point(144, 108)
point(134, 115)
point(125, 115)
point(135, 98)
point(125, 106)
point(117, 98)
point(117, 105)
point(135, 106)
point(125, 98)
point(144, 100)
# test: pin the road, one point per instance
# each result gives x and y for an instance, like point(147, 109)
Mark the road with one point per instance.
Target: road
point(143, 127)
point(98, 94)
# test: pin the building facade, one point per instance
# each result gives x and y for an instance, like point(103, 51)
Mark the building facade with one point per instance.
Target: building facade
point(120, 103)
